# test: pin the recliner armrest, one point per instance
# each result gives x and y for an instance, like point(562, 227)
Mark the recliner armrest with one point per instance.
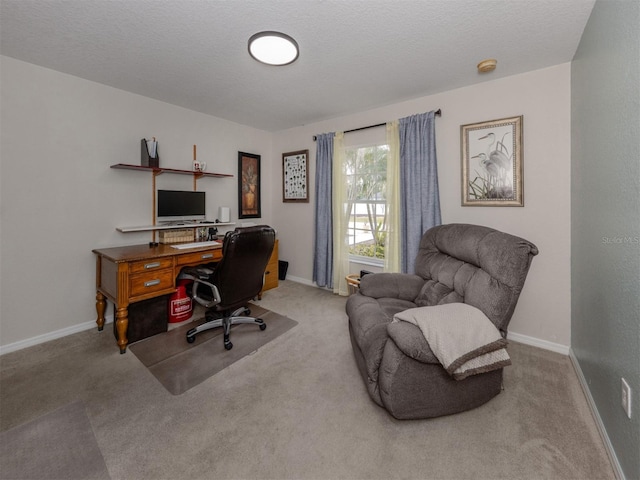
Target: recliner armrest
point(410, 340)
point(391, 285)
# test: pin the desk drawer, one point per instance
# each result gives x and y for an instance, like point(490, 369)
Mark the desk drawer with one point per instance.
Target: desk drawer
point(151, 264)
point(149, 282)
point(199, 257)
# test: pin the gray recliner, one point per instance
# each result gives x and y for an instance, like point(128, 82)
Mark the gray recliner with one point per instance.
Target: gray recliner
point(456, 263)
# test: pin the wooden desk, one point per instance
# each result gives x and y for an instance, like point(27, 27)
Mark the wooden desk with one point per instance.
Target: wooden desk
point(132, 273)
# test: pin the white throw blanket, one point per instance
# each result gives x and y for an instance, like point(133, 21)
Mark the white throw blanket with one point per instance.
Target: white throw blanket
point(463, 339)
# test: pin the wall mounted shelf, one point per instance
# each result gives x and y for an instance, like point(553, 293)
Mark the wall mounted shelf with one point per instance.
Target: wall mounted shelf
point(159, 170)
point(149, 228)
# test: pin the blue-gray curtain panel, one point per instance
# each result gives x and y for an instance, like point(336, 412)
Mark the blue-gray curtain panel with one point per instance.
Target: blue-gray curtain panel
point(419, 194)
point(323, 258)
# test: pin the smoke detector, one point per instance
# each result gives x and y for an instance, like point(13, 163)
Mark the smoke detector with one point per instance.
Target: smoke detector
point(488, 65)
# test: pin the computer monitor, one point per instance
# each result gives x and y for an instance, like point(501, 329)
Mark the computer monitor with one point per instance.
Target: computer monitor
point(180, 206)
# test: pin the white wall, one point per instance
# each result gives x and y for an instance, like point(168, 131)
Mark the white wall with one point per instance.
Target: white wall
point(60, 199)
point(543, 97)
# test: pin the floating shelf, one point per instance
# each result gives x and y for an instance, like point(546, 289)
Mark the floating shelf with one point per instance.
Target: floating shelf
point(149, 228)
point(159, 170)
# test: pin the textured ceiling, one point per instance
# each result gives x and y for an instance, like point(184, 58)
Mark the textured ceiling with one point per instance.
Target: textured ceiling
point(354, 54)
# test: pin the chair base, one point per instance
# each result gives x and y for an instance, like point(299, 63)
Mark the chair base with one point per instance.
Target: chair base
point(241, 315)
point(409, 389)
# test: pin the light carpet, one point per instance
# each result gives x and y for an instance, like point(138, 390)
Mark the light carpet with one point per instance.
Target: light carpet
point(180, 366)
point(60, 444)
point(298, 409)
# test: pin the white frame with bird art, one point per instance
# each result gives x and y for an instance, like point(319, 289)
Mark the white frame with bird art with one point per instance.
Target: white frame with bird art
point(492, 163)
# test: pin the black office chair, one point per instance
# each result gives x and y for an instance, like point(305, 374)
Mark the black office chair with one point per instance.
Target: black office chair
point(226, 288)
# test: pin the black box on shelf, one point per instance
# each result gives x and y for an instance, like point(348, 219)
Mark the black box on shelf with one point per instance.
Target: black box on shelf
point(147, 160)
point(146, 318)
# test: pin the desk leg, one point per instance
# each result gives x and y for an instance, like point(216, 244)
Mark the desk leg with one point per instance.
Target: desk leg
point(101, 306)
point(122, 322)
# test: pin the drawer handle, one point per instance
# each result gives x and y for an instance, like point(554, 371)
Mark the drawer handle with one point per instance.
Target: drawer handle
point(206, 255)
point(152, 265)
point(151, 283)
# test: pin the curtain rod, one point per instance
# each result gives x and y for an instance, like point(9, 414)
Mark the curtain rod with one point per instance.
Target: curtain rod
point(437, 113)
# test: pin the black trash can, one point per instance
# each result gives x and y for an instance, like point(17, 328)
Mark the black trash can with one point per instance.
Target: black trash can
point(282, 269)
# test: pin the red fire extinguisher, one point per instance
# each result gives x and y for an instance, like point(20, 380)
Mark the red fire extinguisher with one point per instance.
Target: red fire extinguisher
point(180, 305)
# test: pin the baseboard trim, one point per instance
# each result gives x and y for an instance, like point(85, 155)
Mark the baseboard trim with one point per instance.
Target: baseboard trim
point(537, 342)
point(63, 332)
point(304, 281)
point(516, 337)
point(617, 468)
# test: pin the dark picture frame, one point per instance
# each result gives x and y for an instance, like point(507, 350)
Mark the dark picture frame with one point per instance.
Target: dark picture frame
point(295, 176)
point(492, 171)
point(248, 185)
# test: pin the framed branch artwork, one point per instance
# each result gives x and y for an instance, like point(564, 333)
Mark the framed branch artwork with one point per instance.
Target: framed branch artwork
point(248, 185)
point(492, 173)
point(295, 176)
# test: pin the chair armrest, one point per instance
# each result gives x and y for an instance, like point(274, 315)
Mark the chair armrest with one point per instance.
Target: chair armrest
point(391, 285)
point(214, 293)
point(410, 340)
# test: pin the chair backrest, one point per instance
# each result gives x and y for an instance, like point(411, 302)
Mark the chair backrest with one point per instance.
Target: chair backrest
point(239, 276)
point(475, 265)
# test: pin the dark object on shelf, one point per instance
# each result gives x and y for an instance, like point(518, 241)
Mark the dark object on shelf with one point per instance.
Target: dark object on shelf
point(146, 318)
point(145, 159)
point(282, 269)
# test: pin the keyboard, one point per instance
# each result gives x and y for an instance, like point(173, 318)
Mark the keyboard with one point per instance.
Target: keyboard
point(182, 246)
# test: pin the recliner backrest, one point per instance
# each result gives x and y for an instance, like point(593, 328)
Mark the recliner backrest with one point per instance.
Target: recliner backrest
point(239, 276)
point(475, 265)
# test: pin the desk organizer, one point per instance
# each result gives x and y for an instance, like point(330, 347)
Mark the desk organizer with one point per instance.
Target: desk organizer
point(147, 160)
point(177, 236)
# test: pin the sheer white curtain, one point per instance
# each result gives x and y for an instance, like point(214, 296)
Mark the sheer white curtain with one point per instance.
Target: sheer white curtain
point(340, 217)
point(392, 246)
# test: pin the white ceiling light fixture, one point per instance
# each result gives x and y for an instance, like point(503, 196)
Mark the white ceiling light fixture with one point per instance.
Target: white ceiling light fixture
point(273, 48)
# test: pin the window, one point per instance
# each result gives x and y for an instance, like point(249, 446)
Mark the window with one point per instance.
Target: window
point(366, 176)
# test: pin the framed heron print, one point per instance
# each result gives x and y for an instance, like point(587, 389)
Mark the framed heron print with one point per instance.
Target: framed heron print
point(295, 176)
point(492, 163)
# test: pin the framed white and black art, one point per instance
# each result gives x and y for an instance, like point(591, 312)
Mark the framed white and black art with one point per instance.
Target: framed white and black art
point(492, 163)
point(295, 176)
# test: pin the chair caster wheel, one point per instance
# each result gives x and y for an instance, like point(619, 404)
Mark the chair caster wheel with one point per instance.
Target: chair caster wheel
point(263, 326)
point(191, 337)
point(228, 345)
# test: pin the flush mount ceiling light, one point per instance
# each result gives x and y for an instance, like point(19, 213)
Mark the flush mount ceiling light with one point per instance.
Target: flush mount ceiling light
point(273, 48)
point(488, 65)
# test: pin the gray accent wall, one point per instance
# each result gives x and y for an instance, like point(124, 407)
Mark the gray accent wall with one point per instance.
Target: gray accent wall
point(605, 219)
